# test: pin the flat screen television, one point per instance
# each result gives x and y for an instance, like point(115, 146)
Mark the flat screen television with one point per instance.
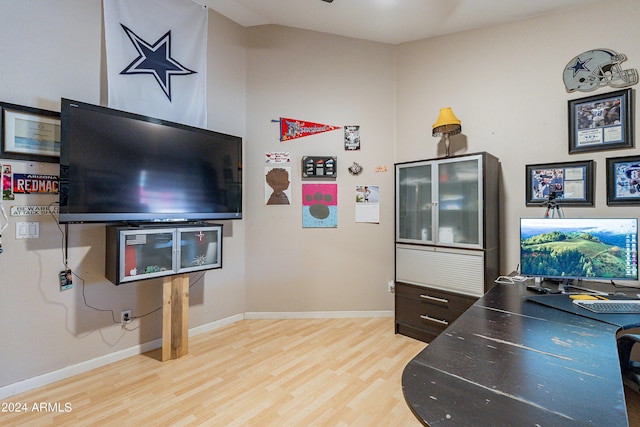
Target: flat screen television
point(117, 166)
point(579, 248)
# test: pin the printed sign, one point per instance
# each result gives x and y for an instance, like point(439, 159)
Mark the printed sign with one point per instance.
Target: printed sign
point(34, 183)
point(33, 210)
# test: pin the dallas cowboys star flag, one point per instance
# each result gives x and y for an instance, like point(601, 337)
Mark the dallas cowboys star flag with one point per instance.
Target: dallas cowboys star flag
point(157, 58)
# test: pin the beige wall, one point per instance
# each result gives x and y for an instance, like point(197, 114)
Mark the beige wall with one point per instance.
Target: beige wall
point(53, 50)
point(332, 80)
point(504, 83)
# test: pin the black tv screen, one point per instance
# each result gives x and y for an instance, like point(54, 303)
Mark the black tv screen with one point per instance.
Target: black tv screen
point(117, 166)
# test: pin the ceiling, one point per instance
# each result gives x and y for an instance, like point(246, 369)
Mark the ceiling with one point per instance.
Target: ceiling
point(386, 21)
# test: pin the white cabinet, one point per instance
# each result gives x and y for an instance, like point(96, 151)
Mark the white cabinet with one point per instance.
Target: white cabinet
point(144, 252)
point(447, 223)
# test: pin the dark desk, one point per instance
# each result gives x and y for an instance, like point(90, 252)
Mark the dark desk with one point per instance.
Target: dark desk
point(508, 361)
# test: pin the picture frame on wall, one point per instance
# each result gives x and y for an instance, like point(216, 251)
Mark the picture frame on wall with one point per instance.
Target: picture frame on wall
point(569, 183)
point(601, 122)
point(29, 133)
point(623, 180)
point(319, 168)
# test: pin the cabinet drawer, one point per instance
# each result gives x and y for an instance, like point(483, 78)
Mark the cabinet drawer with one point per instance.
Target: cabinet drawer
point(419, 313)
point(422, 334)
point(455, 302)
point(423, 313)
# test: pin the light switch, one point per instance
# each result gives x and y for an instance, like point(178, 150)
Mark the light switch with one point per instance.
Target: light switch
point(27, 230)
point(34, 230)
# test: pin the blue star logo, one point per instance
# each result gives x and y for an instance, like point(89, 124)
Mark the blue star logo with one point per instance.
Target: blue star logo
point(579, 66)
point(155, 59)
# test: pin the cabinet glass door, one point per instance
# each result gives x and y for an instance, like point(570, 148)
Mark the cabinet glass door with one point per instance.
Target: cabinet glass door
point(459, 202)
point(414, 210)
point(146, 253)
point(200, 248)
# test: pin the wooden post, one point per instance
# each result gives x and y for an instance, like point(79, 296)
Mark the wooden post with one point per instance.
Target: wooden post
point(175, 316)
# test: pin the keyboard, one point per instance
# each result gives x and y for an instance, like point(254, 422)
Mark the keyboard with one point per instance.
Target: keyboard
point(609, 306)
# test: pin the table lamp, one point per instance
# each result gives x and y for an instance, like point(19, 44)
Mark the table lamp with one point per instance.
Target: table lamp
point(446, 125)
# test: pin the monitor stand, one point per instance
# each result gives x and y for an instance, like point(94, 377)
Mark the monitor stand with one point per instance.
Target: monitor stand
point(547, 286)
point(561, 286)
point(566, 285)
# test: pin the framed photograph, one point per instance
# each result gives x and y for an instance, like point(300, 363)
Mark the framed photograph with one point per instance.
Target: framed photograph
point(565, 183)
point(29, 133)
point(601, 122)
point(324, 168)
point(623, 180)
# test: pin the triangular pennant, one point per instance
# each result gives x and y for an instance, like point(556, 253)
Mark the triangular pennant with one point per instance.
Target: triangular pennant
point(292, 128)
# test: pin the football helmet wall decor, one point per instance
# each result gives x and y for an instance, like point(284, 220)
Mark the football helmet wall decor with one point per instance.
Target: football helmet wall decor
point(598, 67)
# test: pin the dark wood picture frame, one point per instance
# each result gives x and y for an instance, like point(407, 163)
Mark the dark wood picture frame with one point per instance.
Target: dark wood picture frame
point(319, 168)
point(28, 133)
point(569, 183)
point(601, 122)
point(623, 180)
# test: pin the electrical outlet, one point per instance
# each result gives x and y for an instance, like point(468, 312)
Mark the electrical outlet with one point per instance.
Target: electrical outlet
point(125, 316)
point(392, 286)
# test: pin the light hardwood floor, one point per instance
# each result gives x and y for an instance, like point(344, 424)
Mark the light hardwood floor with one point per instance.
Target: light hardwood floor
point(313, 372)
point(323, 372)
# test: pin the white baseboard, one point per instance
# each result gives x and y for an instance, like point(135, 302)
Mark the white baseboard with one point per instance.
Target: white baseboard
point(215, 325)
point(69, 371)
point(79, 368)
point(318, 314)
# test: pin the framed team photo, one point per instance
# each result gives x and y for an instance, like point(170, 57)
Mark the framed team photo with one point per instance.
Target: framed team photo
point(601, 122)
point(568, 183)
point(623, 181)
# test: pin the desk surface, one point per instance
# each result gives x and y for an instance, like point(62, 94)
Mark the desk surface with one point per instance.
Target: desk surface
point(508, 361)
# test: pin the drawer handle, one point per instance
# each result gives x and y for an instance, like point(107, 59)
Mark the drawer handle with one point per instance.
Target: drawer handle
point(433, 319)
point(430, 298)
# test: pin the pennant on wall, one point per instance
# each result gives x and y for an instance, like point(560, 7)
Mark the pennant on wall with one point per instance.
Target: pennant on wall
point(157, 58)
point(292, 128)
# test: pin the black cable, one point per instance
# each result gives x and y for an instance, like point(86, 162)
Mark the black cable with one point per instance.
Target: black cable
point(65, 252)
point(84, 298)
point(65, 245)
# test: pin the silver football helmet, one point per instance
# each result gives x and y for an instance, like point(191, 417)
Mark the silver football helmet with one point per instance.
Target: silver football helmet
point(599, 67)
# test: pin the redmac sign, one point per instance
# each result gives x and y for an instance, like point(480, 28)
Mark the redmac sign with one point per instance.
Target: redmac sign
point(31, 183)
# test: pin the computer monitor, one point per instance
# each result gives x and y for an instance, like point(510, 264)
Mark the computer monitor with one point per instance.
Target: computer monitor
point(579, 248)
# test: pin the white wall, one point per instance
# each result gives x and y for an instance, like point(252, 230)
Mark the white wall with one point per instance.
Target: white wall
point(504, 83)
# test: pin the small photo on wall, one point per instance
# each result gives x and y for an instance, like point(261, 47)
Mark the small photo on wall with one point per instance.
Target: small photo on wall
point(368, 203)
point(7, 183)
point(351, 138)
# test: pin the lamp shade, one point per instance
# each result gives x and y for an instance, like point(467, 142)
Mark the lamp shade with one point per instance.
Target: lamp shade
point(447, 123)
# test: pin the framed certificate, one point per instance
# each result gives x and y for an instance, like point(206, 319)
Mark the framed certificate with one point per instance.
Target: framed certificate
point(29, 133)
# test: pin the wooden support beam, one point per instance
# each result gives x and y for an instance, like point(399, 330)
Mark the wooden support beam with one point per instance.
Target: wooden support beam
point(175, 317)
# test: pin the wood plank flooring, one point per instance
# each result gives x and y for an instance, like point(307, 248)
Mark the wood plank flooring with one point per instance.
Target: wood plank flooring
point(311, 372)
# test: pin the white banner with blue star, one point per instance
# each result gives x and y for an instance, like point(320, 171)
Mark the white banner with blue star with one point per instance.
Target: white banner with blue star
point(157, 58)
